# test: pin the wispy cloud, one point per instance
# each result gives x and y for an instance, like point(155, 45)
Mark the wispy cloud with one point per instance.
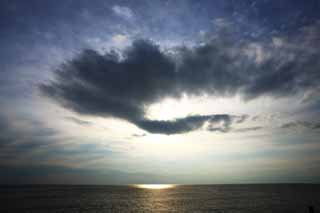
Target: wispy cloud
point(20, 137)
point(78, 121)
point(122, 11)
point(139, 135)
point(248, 129)
point(301, 125)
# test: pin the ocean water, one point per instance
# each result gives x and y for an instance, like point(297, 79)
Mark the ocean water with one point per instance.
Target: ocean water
point(196, 198)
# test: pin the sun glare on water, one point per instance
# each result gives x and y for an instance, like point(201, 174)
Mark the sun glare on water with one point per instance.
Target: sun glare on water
point(154, 186)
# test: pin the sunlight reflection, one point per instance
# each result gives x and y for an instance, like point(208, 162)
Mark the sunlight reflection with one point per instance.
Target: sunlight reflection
point(154, 186)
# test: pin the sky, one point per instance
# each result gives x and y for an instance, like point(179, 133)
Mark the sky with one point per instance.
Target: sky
point(161, 91)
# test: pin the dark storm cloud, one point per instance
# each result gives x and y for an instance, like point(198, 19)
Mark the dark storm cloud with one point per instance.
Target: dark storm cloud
point(124, 86)
point(103, 85)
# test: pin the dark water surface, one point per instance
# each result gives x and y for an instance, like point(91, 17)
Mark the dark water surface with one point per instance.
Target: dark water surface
point(203, 198)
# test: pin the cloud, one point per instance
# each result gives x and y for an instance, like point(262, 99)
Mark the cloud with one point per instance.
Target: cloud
point(301, 125)
point(24, 141)
point(6, 132)
point(119, 39)
point(20, 136)
point(248, 129)
point(219, 123)
point(53, 174)
point(78, 121)
point(139, 135)
point(123, 87)
point(123, 11)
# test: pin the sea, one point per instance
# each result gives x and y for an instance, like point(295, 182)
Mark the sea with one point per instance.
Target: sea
point(282, 198)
